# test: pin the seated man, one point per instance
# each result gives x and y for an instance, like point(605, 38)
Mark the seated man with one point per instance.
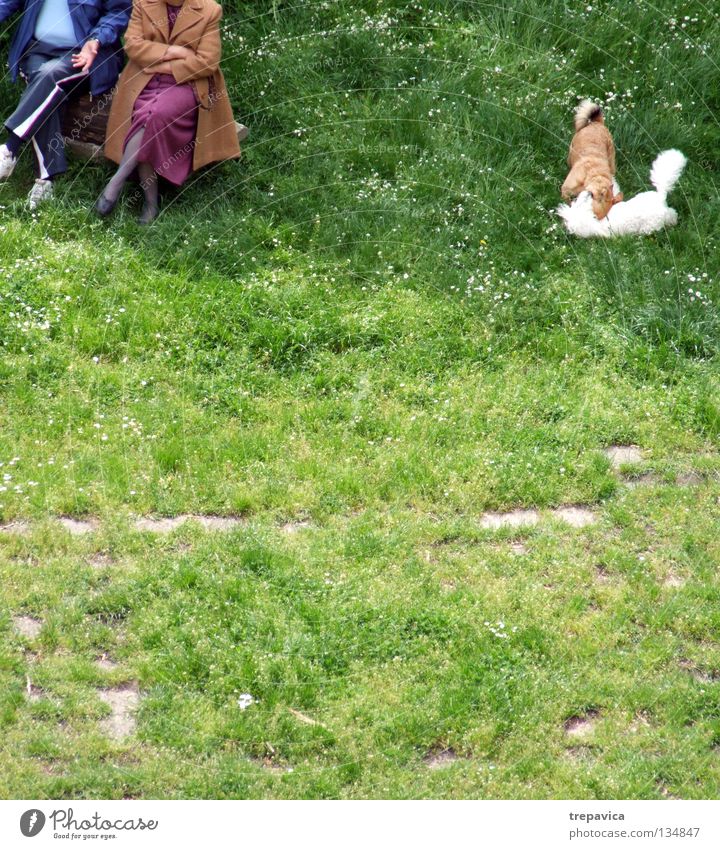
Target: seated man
point(58, 47)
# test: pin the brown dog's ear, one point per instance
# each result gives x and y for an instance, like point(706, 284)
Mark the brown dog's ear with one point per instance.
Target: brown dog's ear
point(618, 198)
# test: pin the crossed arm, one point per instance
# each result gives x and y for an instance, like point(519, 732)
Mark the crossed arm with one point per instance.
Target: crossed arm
point(184, 63)
point(164, 66)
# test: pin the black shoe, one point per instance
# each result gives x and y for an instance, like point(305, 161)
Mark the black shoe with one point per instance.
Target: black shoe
point(104, 207)
point(148, 215)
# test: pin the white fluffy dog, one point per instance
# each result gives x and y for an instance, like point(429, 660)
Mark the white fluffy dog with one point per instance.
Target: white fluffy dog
point(643, 214)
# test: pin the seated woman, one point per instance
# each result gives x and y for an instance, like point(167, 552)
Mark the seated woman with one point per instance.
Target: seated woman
point(170, 114)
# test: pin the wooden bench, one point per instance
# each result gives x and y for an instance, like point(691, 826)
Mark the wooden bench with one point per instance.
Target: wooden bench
point(85, 120)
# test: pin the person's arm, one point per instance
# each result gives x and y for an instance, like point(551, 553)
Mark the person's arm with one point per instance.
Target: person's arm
point(112, 23)
point(8, 8)
point(159, 68)
point(205, 60)
point(164, 66)
point(177, 51)
point(138, 48)
point(106, 31)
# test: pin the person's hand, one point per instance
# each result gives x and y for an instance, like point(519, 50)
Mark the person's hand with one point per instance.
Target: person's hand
point(177, 51)
point(84, 59)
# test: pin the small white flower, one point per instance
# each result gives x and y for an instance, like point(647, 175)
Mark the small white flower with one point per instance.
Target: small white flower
point(245, 700)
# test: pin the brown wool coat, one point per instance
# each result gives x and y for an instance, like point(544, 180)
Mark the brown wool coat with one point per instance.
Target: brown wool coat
point(197, 27)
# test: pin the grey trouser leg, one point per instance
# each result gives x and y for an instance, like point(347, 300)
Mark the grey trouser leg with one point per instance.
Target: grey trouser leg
point(37, 117)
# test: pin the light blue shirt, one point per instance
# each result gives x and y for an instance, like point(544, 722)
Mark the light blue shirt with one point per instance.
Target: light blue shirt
point(54, 25)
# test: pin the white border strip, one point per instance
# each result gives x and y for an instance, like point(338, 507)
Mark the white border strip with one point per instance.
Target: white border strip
point(329, 825)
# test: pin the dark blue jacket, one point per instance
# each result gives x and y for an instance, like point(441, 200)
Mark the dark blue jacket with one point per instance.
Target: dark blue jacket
point(105, 20)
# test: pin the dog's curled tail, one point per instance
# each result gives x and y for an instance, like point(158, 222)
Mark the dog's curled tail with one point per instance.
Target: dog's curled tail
point(666, 170)
point(586, 113)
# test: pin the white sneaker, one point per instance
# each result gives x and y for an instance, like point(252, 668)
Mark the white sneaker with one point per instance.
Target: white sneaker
point(41, 191)
point(7, 162)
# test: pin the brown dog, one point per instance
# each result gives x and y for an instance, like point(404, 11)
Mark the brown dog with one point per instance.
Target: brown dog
point(591, 160)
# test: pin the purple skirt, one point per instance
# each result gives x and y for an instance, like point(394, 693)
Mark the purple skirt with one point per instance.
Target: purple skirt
point(168, 113)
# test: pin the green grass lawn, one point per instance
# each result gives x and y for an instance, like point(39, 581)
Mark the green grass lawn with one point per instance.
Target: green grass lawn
point(360, 342)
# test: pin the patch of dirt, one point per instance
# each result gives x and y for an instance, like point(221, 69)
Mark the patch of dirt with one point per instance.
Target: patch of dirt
point(51, 768)
point(217, 523)
point(621, 455)
point(159, 526)
point(579, 753)
point(602, 576)
point(33, 692)
point(673, 580)
point(647, 479)
point(294, 527)
point(123, 702)
point(576, 517)
point(29, 560)
point(440, 758)
point(105, 664)
point(78, 527)
point(17, 528)
point(665, 792)
point(27, 626)
point(641, 721)
point(448, 539)
point(167, 524)
point(697, 673)
point(271, 766)
point(511, 519)
point(101, 560)
point(581, 726)
point(689, 479)
point(518, 548)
